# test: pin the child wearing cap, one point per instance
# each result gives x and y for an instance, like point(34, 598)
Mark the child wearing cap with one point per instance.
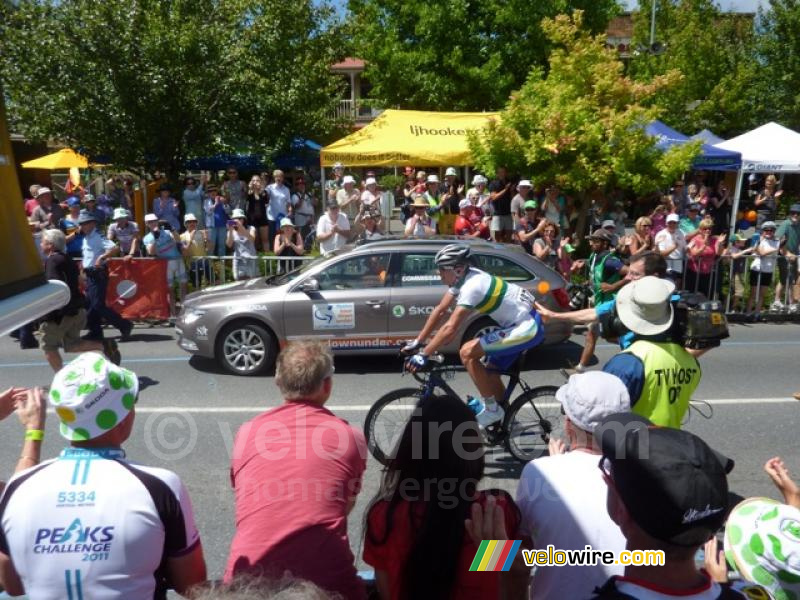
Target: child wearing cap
point(735, 254)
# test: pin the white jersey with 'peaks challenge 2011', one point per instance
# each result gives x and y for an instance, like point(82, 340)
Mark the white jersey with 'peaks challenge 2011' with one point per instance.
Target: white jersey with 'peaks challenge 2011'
point(507, 303)
point(89, 524)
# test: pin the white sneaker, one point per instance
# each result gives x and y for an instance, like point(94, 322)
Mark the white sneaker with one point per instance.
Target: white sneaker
point(777, 306)
point(489, 416)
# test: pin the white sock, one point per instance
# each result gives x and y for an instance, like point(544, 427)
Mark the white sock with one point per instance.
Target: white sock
point(490, 403)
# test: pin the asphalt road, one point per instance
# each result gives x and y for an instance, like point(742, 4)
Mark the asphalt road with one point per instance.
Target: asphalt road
point(188, 413)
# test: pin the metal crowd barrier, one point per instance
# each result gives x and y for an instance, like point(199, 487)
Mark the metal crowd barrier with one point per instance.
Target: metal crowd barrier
point(216, 270)
point(728, 275)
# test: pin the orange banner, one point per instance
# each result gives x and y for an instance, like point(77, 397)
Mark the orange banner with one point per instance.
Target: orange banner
point(137, 289)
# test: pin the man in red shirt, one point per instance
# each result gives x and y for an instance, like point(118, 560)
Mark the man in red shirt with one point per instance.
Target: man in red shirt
point(296, 471)
point(463, 225)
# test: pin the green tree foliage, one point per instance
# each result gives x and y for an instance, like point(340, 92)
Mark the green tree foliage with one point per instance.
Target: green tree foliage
point(152, 82)
point(777, 72)
point(456, 54)
point(581, 123)
point(714, 52)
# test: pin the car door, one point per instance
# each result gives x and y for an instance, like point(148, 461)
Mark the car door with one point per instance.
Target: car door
point(416, 290)
point(350, 307)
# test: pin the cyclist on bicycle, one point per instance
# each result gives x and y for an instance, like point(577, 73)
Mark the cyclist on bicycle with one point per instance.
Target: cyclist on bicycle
point(509, 305)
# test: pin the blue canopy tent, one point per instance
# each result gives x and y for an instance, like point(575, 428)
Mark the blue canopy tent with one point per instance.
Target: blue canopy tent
point(219, 162)
point(708, 137)
point(710, 158)
point(303, 153)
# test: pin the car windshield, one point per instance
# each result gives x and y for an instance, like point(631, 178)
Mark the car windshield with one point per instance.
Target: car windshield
point(305, 267)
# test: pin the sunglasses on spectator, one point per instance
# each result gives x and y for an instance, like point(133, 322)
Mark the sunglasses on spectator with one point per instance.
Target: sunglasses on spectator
point(768, 230)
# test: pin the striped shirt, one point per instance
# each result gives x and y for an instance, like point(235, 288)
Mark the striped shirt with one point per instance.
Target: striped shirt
point(507, 303)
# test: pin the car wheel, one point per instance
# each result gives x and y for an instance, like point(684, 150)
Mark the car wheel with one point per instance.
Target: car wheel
point(480, 327)
point(246, 348)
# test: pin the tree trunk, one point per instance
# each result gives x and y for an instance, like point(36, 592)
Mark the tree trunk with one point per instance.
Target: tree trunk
point(584, 204)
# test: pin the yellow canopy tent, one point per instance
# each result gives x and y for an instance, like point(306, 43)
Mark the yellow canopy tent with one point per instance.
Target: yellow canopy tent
point(398, 137)
point(66, 158)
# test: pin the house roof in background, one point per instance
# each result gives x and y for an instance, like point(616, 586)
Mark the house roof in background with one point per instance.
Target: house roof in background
point(349, 64)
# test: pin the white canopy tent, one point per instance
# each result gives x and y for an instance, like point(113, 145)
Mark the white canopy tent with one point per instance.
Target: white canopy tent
point(771, 148)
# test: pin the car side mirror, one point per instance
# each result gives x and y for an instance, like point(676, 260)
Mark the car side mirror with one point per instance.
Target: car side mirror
point(309, 285)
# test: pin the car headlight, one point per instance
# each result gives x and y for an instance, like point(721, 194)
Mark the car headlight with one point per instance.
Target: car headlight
point(193, 315)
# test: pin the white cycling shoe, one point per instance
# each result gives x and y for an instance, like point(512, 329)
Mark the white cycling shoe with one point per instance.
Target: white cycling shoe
point(490, 416)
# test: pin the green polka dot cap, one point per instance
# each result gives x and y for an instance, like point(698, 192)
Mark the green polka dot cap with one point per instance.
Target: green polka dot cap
point(91, 395)
point(762, 542)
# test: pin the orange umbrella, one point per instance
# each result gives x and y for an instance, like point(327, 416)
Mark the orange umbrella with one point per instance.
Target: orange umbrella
point(66, 158)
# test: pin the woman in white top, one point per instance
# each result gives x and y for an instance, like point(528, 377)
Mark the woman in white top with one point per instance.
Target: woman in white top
point(763, 265)
point(479, 192)
point(243, 242)
point(288, 242)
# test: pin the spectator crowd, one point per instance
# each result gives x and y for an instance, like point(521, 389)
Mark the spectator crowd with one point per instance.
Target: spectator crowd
point(615, 483)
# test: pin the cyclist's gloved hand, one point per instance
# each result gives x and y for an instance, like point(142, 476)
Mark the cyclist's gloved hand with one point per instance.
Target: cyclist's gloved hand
point(416, 362)
point(410, 348)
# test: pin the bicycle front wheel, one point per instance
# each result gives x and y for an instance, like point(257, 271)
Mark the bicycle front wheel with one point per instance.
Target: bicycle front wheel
point(387, 419)
point(534, 416)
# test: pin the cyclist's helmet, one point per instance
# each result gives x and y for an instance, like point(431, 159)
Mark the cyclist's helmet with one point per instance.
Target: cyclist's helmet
point(452, 255)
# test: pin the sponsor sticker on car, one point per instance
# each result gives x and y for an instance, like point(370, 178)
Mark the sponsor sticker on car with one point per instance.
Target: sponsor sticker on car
point(334, 316)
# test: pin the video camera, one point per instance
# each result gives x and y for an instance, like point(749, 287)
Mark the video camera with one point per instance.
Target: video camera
point(699, 323)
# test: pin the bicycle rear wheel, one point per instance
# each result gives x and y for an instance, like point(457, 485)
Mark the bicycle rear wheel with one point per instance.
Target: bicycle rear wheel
point(534, 416)
point(386, 420)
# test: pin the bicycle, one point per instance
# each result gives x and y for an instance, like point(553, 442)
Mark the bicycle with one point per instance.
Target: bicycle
point(525, 430)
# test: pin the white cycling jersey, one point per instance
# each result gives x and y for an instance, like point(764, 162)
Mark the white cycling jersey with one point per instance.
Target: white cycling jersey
point(507, 303)
point(91, 525)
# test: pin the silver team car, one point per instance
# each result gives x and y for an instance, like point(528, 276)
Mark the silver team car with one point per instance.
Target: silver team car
point(366, 299)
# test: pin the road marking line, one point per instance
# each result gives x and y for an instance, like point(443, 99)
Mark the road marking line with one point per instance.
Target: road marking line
point(185, 358)
point(155, 359)
point(366, 407)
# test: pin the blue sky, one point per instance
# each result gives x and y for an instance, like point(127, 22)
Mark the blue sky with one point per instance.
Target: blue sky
point(735, 5)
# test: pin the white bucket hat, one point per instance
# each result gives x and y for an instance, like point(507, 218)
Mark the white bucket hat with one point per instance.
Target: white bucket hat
point(370, 181)
point(643, 305)
point(479, 179)
point(238, 213)
point(348, 179)
point(120, 213)
point(286, 222)
point(451, 171)
point(433, 179)
point(589, 398)
point(189, 217)
point(524, 183)
point(762, 540)
point(150, 217)
point(91, 395)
